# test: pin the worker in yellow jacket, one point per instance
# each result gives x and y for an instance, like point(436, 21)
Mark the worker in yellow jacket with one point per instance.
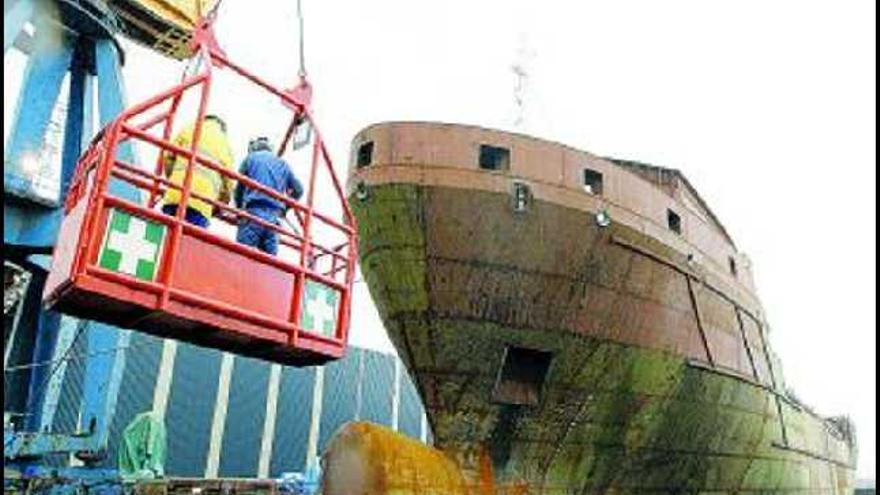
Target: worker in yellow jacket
point(206, 182)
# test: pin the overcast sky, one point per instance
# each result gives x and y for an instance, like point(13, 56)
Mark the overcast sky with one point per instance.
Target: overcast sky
point(767, 107)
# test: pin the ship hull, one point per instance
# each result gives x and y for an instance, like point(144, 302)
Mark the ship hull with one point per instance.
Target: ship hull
point(643, 391)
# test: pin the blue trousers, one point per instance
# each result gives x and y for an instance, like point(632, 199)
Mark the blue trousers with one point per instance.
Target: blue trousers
point(192, 216)
point(255, 235)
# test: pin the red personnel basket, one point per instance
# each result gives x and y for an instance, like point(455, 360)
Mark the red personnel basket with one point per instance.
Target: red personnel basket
point(120, 260)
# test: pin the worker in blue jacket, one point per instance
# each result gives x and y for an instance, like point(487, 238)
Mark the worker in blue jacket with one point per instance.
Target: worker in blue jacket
point(263, 166)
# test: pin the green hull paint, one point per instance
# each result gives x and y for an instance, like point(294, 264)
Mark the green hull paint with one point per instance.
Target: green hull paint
point(457, 278)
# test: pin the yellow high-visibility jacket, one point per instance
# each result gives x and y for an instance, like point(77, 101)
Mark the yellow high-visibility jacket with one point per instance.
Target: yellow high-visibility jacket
point(214, 145)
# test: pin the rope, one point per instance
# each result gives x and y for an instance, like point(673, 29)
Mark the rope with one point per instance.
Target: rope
point(73, 357)
point(302, 51)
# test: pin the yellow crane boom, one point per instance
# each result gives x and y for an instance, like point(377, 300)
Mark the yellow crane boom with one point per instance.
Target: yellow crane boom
point(165, 26)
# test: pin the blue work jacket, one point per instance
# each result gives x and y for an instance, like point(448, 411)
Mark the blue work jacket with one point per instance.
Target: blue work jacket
point(271, 171)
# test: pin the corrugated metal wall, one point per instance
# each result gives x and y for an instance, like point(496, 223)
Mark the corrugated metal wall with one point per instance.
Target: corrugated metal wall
point(245, 415)
point(191, 405)
point(359, 386)
point(292, 420)
point(138, 381)
point(379, 379)
point(411, 409)
point(67, 414)
point(340, 391)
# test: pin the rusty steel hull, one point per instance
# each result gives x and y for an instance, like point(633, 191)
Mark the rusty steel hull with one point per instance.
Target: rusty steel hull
point(660, 378)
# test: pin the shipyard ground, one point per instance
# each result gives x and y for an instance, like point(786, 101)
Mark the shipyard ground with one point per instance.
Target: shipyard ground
point(165, 486)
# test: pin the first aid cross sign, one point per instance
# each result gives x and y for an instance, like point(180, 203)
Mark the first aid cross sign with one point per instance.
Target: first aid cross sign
point(320, 304)
point(132, 245)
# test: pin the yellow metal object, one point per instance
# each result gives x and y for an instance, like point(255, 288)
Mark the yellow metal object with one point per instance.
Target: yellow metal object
point(165, 26)
point(368, 459)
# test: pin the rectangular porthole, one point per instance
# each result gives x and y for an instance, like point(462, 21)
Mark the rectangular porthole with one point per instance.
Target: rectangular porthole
point(592, 182)
point(674, 221)
point(521, 377)
point(732, 263)
point(365, 154)
point(522, 196)
point(494, 157)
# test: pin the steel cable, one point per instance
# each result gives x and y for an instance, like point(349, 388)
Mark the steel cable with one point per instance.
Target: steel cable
point(302, 51)
point(80, 329)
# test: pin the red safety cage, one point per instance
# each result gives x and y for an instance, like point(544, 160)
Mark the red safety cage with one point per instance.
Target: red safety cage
point(120, 260)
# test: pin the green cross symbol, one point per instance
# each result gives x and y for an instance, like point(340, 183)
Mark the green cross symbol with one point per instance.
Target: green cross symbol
point(320, 306)
point(132, 245)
